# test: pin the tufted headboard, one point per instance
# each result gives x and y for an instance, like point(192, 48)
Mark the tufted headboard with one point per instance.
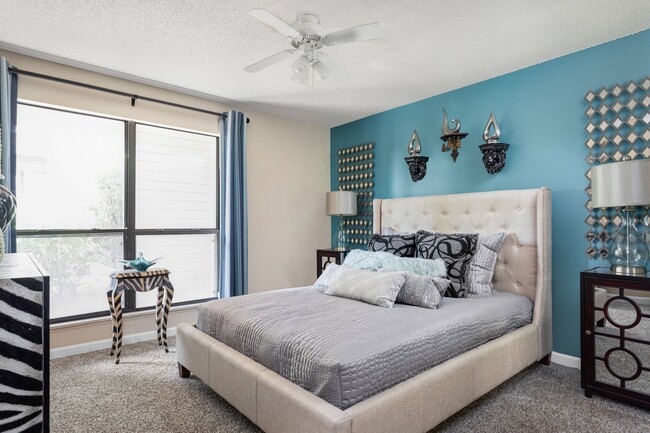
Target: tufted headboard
point(524, 261)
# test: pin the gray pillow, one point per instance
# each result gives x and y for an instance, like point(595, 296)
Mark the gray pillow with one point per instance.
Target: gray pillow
point(376, 288)
point(478, 279)
point(422, 291)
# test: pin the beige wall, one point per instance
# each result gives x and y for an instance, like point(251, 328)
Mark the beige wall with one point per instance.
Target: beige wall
point(288, 174)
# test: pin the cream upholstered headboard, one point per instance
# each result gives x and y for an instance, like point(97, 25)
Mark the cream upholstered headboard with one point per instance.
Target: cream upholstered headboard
point(524, 261)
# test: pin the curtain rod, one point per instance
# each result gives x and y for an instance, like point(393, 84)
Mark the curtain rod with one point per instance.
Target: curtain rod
point(133, 97)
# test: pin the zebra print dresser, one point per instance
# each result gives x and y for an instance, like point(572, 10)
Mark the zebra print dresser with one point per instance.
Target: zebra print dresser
point(24, 345)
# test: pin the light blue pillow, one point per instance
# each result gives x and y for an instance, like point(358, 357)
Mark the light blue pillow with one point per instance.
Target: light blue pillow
point(376, 260)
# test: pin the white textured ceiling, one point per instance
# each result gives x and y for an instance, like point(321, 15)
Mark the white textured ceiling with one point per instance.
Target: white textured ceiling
point(432, 46)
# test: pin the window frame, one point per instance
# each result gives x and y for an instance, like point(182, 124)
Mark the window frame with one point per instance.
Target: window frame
point(129, 231)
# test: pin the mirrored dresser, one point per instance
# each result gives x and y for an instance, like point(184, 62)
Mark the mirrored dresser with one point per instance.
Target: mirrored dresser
point(615, 335)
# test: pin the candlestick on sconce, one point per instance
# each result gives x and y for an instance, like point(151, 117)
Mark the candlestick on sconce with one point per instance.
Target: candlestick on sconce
point(417, 164)
point(451, 135)
point(494, 152)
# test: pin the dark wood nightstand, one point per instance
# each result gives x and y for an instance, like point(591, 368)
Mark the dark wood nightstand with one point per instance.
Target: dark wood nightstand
point(615, 358)
point(325, 256)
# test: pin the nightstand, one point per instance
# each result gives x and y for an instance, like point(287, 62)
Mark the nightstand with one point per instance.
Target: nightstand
point(615, 351)
point(325, 256)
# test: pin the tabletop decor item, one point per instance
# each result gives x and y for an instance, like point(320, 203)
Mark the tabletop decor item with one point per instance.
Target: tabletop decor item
point(624, 185)
point(617, 124)
point(7, 213)
point(356, 171)
point(8, 103)
point(140, 263)
point(341, 204)
point(417, 163)
point(494, 152)
point(451, 135)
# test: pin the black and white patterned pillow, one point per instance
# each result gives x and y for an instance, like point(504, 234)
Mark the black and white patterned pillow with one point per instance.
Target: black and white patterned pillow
point(398, 245)
point(455, 249)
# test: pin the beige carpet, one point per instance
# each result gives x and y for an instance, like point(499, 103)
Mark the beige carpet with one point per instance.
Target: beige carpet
point(89, 393)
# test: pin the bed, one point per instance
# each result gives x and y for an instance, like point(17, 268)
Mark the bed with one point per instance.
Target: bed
point(422, 401)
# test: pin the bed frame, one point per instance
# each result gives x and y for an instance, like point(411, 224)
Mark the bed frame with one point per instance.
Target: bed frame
point(418, 404)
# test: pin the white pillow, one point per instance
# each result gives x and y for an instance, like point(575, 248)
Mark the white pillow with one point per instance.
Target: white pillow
point(376, 288)
point(328, 274)
point(478, 277)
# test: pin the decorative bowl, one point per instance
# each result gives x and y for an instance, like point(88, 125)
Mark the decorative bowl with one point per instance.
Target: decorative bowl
point(140, 264)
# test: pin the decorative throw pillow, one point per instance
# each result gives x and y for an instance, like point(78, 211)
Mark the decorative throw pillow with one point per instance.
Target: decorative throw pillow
point(376, 288)
point(455, 249)
point(388, 262)
point(478, 280)
point(328, 275)
point(422, 291)
point(399, 245)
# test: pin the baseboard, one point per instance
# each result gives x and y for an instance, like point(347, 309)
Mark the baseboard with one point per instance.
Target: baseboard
point(78, 349)
point(566, 360)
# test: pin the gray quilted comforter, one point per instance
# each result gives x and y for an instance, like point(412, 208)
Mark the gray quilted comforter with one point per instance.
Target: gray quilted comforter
point(346, 351)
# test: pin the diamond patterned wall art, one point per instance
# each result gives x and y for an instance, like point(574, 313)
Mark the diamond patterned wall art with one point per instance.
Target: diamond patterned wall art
point(618, 128)
point(356, 170)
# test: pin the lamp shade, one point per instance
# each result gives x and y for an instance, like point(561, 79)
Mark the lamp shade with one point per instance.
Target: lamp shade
point(341, 203)
point(620, 184)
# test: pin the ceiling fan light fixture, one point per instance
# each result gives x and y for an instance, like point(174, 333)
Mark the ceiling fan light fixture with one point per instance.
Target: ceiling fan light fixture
point(308, 38)
point(321, 72)
point(300, 70)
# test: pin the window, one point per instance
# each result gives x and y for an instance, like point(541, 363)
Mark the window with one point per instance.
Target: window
point(93, 190)
point(176, 208)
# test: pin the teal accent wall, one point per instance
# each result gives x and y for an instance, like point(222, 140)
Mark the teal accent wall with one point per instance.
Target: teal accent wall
point(540, 110)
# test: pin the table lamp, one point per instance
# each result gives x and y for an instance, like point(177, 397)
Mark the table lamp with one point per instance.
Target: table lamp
point(624, 185)
point(341, 204)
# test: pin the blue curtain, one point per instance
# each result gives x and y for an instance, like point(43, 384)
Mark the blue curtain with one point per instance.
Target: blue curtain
point(8, 104)
point(233, 218)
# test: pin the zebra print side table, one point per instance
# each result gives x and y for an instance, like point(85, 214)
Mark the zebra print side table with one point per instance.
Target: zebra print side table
point(139, 282)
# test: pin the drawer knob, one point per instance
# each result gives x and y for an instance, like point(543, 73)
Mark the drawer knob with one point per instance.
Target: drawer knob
point(588, 332)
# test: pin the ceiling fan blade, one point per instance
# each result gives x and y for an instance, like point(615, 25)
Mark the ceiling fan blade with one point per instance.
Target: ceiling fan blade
point(355, 34)
point(265, 63)
point(274, 22)
point(338, 72)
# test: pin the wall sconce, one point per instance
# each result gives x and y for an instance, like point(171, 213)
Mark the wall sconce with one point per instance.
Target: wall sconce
point(451, 137)
point(417, 164)
point(494, 153)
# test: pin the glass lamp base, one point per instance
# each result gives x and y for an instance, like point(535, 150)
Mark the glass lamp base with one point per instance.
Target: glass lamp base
point(629, 270)
point(341, 238)
point(628, 251)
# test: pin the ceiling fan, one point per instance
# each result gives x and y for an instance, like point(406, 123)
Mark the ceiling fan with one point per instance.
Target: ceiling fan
point(308, 38)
